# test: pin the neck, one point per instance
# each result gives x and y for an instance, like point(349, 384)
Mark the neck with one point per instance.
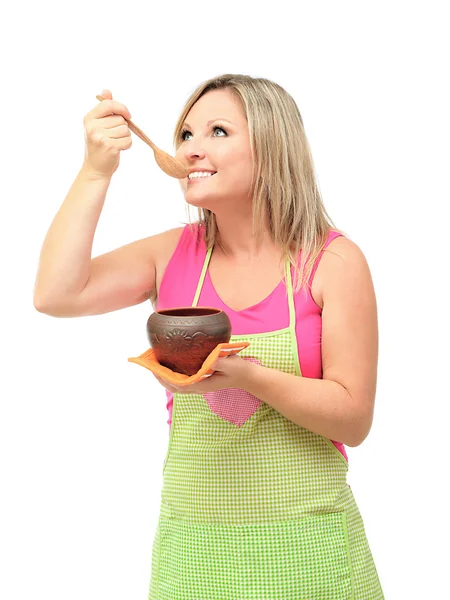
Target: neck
point(236, 241)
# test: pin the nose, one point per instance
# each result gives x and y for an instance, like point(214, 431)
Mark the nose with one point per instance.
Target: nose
point(193, 151)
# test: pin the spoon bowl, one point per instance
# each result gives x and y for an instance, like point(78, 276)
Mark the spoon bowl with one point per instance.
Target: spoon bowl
point(170, 165)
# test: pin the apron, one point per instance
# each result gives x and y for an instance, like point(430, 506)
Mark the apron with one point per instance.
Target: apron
point(254, 506)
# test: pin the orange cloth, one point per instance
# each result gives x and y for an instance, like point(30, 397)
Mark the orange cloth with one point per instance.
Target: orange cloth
point(149, 361)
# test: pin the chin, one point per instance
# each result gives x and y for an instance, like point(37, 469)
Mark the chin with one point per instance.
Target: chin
point(199, 200)
point(198, 203)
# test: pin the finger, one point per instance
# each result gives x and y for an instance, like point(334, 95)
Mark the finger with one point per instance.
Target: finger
point(119, 132)
point(112, 121)
point(111, 107)
point(220, 364)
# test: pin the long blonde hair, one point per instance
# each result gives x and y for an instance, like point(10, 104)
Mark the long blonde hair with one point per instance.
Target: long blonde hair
point(284, 186)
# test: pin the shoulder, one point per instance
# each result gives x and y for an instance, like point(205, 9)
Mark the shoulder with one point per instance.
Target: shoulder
point(346, 282)
point(343, 249)
point(341, 261)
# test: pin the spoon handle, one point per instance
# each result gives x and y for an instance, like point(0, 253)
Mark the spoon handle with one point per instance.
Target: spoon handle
point(135, 129)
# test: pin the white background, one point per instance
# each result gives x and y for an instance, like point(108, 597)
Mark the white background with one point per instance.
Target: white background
point(83, 432)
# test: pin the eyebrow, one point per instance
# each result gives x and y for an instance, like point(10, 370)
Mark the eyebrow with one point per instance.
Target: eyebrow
point(209, 122)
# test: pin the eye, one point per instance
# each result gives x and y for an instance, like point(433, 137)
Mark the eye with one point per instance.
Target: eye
point(185, 131)
point(221, 129)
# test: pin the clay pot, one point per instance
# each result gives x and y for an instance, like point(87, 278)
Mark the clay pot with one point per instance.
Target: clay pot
point(182, 338)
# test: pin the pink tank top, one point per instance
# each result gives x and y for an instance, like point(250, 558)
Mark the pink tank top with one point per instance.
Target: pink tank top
point(179, 284)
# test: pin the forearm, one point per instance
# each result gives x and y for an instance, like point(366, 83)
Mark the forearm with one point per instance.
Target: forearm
point(319, 405)
point(64, 263)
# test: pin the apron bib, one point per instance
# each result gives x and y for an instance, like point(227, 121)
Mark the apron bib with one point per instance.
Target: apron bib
point(254, 506)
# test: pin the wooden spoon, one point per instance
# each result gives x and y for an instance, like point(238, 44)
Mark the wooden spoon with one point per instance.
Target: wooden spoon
point(168, 164)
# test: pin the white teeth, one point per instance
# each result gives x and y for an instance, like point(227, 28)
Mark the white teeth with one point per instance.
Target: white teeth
point(200, 174)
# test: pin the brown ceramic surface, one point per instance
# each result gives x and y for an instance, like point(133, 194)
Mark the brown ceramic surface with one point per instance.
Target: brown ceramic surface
point(182, 338)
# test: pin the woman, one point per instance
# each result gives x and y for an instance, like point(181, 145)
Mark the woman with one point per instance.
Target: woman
point(255, 502)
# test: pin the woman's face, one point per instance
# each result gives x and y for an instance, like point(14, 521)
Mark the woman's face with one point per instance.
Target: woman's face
point(215, 138)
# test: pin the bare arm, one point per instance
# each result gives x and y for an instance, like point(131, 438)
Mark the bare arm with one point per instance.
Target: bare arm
point(68, 282)
point(71, 284)
point(339, 406)
point(64, 263)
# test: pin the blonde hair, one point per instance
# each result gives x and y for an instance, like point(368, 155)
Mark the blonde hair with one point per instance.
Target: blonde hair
point(284, 187)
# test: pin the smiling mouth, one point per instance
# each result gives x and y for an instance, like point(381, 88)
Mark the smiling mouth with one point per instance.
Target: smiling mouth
point(200, 178)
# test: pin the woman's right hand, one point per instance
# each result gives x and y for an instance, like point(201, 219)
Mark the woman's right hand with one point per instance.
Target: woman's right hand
point(106, 134)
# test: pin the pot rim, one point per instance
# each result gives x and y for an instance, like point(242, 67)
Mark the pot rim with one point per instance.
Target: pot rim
point(171, 312)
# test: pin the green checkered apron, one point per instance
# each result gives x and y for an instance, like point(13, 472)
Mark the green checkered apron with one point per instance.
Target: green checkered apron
point(254, 506)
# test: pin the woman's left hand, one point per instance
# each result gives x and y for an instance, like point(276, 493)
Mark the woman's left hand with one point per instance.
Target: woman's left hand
point(230, 372)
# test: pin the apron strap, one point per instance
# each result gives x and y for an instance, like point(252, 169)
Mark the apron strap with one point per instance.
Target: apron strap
point(292, 318)
point(290, 293)
point(202, 277)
